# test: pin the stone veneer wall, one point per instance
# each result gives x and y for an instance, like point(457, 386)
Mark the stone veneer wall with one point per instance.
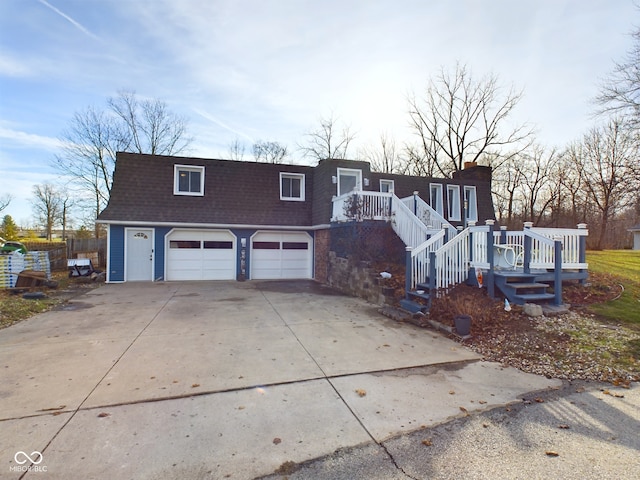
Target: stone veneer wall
point(321, 259)
point(353, 248)
point(357, 279)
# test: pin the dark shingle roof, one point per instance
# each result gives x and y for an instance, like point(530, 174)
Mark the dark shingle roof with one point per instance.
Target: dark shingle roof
point(243, 193)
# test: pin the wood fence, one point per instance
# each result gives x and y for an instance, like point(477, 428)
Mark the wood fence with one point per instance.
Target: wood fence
point(59, 252)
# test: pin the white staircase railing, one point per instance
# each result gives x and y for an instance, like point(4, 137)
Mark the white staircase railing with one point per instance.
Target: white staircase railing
point(452, 261)
point(428, 216)
point(420, 258)
point(408, 227)
point(455, 257)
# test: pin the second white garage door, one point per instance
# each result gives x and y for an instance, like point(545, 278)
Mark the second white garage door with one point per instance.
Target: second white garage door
point(201, 255)
point(281, 255)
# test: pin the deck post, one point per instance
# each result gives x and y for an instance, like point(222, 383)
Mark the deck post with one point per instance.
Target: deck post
point(432, 276)
point(490, 278)
point(582, 253)
point(503, 234)
point(527, 249)
point(557, 271)
point(415, 203)
point(472, 223)
point(408, 273)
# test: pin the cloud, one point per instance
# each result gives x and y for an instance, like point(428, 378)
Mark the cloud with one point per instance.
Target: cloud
point(213, 119)
point(29, 140)
point(73, 22)
point(12, 67)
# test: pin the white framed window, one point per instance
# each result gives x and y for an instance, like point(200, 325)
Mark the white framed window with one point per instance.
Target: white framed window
point(349, 179)
point(471, 203)
point(453, 202)
point(435, 197)
point(292, 186)
point(188, 180)
point(386, 186)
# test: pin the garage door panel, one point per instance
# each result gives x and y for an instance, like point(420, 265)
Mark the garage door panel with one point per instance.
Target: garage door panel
point(201, 255)
point(281, 255)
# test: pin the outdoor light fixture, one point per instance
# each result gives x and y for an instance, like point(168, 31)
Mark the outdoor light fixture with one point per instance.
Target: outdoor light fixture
point(334, 179)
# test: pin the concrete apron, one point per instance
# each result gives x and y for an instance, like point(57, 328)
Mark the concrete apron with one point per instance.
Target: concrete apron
point(215, 379)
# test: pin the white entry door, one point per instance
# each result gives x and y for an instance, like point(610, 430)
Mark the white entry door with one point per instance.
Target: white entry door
point(139, 255)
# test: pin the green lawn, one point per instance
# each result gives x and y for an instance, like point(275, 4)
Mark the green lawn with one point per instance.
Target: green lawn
point(624, 266)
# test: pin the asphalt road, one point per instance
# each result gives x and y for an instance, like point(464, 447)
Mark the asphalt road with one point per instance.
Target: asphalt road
point(580, 431)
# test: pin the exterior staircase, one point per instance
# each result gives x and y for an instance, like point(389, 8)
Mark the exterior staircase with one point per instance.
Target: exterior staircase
point(524, 266)
point(520, 288)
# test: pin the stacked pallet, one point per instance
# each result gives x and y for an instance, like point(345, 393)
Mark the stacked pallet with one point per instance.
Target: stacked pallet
point(12, 264)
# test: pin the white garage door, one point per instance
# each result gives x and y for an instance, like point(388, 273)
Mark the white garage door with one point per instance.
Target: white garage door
point(201, 255)
point(281, 255)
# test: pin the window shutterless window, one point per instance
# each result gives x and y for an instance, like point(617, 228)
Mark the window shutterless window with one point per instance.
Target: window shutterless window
point(292, 186)
point(386, 186)
point(435, 197)
point(471, 204)
point(453, 201)
point(188, 180)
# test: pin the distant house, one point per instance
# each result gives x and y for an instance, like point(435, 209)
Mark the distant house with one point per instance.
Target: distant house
point(178, 218)
point(636, 236)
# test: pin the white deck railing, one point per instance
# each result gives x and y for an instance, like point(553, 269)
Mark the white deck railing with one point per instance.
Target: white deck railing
point(364, 205)
point(542, 253)
point(360, 205)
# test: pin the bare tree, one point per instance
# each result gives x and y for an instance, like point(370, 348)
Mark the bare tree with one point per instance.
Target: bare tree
point(507, 181)
point(537, 189)
point(607, 163)
point(385, 158)
point(149, 126)
point(328, 141)
point(5, 200)
point(47, 206)
point(236, 150)
point(93, 137)
point(461, 119)
point(269, 152)
point(620, 93)
point(88, 155)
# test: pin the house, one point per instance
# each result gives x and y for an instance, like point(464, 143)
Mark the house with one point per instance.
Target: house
point(178, 218)
point(636, 236)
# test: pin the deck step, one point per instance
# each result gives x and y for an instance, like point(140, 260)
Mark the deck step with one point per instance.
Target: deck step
point(535, 297)
point(413, 307)
point(424, 296)
point(523, 286)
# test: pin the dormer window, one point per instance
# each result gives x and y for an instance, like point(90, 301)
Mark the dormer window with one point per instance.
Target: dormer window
point(292, 186)
point(188, 180)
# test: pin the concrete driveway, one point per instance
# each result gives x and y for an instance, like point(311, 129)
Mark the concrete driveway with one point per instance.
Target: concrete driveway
point(224, 380)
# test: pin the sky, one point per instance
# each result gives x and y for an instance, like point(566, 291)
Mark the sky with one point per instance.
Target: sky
point(252, 70)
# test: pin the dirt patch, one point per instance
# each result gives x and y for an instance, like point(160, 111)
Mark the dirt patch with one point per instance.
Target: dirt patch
point(576, 345)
